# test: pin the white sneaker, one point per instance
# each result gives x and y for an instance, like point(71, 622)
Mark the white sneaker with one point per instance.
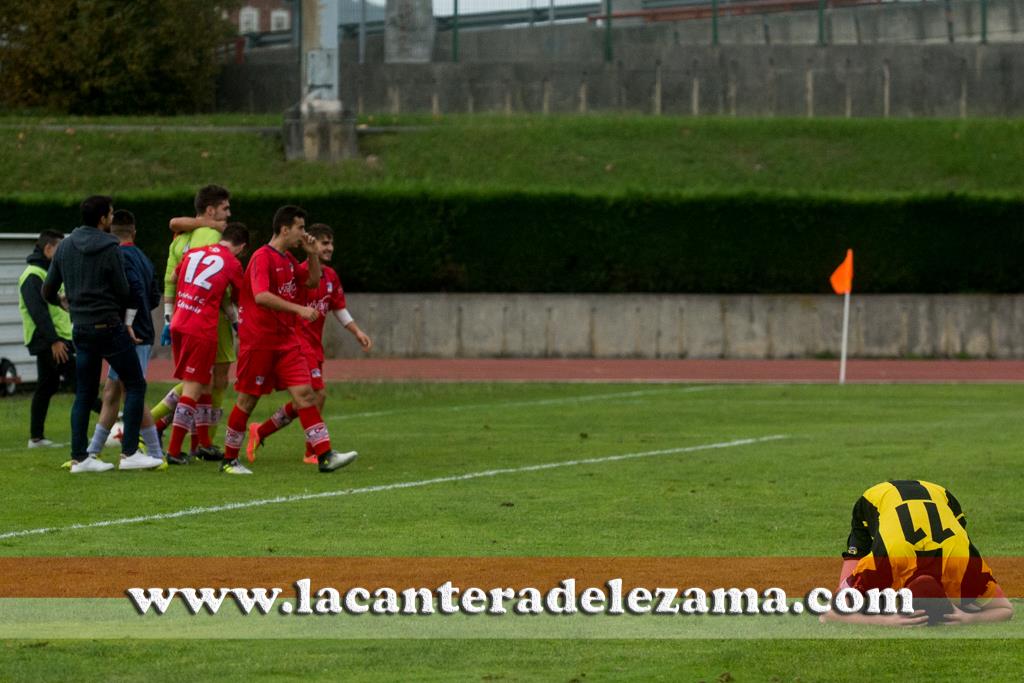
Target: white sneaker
point(116, 435)
point(43, 443)
point(139, 461)
point(234, 467)
point(90, 464)
point(336, 460)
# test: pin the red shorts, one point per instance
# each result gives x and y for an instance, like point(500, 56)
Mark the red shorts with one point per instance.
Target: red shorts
point(264, 371)
point(193, 357)
point(316, 376)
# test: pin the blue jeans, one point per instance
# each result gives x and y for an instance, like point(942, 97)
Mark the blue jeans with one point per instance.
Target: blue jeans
point(93, 344)
point(143, 351)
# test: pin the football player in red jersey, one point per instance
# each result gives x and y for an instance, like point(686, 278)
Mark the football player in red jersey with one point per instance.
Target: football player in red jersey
point(327, 297)
point(270, 356)
point(203, 276)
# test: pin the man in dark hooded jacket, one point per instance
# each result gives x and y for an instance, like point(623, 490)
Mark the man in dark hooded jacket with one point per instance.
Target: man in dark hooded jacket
point(90, 266)
point(47, 334)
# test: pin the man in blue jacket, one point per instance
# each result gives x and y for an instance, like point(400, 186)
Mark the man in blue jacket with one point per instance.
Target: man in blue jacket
point(144, 297)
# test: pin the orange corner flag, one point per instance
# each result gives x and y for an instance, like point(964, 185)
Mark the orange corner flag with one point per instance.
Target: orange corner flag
point(842, 278)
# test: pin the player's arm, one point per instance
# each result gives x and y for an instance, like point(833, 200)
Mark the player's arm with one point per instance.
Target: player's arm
point(229, 302)
point(258, 275)
point(918, 618)
point(312, 263)
point(186, 224)
point(276, 303)
point(984, 610)
point(340, 310)
point(229, 306)
point(174, 255)
point(858, 545)
point(345, 318)
point(139, 293)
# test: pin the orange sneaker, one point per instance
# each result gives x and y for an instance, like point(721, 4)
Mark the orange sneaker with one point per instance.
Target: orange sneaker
point(254, 441)
point(311, 459)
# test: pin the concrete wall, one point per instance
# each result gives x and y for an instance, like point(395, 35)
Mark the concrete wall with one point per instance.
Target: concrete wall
point(13, 250)
point(269, 84)
point(868, 81)
point(682, 326)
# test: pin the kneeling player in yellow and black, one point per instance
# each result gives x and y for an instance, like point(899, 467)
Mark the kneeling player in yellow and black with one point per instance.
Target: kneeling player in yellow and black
point(913, 534)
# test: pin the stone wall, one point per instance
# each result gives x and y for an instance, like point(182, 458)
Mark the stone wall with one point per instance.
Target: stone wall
point(682, 326)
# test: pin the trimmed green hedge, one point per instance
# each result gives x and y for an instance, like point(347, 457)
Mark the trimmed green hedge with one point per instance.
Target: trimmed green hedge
point(568, 243)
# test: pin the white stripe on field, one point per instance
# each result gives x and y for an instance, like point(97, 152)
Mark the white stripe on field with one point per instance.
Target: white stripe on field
point(536, 402)
point(190, 512)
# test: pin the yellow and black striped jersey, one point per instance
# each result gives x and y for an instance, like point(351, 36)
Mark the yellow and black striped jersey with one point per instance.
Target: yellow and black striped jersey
point(907, 528)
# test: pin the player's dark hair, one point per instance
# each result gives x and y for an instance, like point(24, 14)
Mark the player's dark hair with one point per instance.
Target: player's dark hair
point(211, 195)
point(123, 224)
point(94, 209)
point(48, 237)
point(123, 217)
point(237, 234)
point(320, 231)
point(286, 215)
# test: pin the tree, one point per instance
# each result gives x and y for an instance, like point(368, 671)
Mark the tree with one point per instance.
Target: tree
point(111, 56)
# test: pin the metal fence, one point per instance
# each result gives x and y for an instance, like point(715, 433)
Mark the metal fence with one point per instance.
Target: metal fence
point(717, 22)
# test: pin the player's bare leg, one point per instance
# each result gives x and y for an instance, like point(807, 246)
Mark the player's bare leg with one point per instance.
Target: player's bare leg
point(113, 390)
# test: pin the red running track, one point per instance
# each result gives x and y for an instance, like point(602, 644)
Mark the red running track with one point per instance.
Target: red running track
point(590, 370)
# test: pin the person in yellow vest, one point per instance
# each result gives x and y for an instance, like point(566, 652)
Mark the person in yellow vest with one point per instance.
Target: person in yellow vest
point(47, 334)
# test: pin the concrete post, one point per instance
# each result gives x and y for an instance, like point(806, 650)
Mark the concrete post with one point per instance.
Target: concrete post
point(319, 129)
point(409, 31)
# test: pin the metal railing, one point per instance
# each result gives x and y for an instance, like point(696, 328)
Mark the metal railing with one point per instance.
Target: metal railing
point(960, 20)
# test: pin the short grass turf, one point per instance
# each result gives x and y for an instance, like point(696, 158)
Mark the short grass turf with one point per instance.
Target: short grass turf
point(597, 154)
point(790, 497)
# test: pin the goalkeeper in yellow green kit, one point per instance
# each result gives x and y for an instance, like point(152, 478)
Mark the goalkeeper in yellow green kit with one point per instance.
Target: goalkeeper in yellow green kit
point(213, 208)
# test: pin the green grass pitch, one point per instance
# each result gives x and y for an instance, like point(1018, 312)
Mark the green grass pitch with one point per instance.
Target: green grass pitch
point(788, 497)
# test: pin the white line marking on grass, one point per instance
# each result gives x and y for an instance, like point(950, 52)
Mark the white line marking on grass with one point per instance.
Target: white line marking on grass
point(516, 404)
point(190, 512)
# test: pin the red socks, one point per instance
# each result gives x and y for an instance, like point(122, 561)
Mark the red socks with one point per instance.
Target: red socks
point(184, 416)
point(281, 418)
point(316, 430)
point(237, 422)
point(204, 418)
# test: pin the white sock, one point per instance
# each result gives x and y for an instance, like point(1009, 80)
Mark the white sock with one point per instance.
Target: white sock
point(99, 439)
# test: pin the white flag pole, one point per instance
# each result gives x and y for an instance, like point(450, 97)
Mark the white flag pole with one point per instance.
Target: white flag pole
point(846, 330)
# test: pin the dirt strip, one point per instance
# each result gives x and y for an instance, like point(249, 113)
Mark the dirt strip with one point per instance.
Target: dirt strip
point(108, 577)
point(614, 370)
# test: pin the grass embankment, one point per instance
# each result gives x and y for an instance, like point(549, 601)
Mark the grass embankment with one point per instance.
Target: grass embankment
point(592, 154)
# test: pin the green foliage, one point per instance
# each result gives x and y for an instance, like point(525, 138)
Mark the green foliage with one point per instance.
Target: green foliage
point(110, 56)
point(523, 242)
